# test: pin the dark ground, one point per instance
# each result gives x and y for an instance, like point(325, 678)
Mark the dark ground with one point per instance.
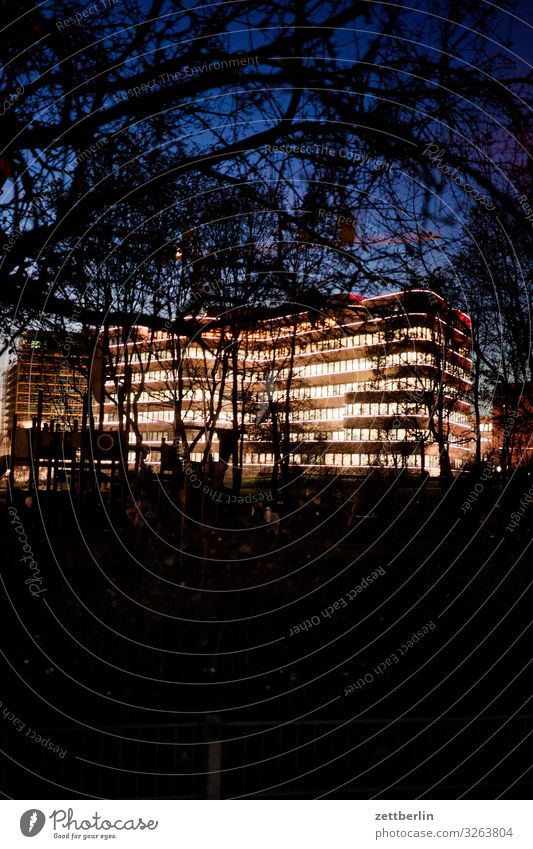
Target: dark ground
point(136, 658)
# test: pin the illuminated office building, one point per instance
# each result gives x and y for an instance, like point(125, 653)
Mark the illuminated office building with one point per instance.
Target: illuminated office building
point(360, 384)
point(41, 364)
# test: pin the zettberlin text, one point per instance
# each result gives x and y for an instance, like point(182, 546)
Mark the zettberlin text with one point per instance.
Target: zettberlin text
point(399, 815)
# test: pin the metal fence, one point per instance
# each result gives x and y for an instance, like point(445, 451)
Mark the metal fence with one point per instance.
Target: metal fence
point(305, 759)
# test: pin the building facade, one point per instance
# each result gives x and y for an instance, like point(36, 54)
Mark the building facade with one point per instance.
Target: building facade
point(359, 384)
point(40, 365)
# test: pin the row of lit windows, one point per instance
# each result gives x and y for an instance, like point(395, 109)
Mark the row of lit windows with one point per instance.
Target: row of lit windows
point(458, 417)
point(383, 409)
point(315, 346)
point(373, 460)
point(318, 414)
point(457, 371)
point(259, 458)
point(399, 409)
point(159, 396)
point(158, 416)
point(375, 338)
point(333, 367)
point(159, 374)
point(362, 434)
point(342, 342)
point(413, 460)
point(315, 414)
point(318, 436)
point(157, 436)
point(197, 457)
point(324, 391)
point(359, 459)
point(333, 436)
point(355, 434)
point(363, 364)
point(403, 384)
point(43, 376)
point(162, 395)
point(189, 415)
point(145, 417)
point(328, 344)
point(350, 435)
point(225, 416)
point(460, 441)
point(187, 351)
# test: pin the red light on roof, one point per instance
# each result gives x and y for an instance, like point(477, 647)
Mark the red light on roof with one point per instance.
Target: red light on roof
point(466, 318)
point(358, 298)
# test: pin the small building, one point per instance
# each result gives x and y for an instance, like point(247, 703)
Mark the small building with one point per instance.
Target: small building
point(41, 363)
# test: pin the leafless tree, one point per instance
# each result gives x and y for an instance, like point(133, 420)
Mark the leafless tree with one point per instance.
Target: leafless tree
point(105, 93)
